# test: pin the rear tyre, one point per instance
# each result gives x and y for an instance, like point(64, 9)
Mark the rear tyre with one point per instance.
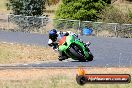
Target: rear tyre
point(82, 60)
point(61, 58)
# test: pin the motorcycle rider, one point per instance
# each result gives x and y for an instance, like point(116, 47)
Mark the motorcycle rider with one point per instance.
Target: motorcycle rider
point(55, 36)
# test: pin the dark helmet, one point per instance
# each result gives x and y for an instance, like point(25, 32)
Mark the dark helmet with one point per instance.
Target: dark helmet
point(53, 32)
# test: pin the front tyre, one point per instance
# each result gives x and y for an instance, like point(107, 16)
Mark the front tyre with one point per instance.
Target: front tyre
point(77, 52)
point(90, 58)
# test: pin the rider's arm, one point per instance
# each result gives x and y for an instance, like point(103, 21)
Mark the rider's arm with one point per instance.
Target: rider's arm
point(66, 34)
point(63, 33)
point(50, 43)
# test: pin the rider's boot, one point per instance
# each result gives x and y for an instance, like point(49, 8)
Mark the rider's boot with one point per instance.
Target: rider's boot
point(88, 43)
point(62, 56)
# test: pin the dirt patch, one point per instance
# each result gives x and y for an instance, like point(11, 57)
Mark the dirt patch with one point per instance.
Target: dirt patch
point(106, 33)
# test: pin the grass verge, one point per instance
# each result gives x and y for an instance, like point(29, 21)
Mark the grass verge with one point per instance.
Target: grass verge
point(56, 78)
point(16, 53)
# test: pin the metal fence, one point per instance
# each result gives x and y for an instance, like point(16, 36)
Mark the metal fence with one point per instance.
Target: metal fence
point(43, 24)
point(19, 23)
point(99, 28)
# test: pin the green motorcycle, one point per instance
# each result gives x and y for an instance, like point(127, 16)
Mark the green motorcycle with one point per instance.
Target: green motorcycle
point(74, 48)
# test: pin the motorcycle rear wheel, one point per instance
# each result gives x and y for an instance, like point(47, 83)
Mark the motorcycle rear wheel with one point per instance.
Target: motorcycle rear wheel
point(61, 58)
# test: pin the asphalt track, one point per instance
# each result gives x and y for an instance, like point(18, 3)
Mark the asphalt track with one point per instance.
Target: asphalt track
point(108, 52)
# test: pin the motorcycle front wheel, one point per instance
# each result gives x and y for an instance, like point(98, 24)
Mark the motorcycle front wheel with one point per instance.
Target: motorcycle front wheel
point(77, 52)
point(90, 58)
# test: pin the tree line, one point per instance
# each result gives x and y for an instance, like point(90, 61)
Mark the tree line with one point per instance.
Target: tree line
point(69, 9)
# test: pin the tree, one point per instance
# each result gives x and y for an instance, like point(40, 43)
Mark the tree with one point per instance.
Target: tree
point(80, 9)
point(26, 7)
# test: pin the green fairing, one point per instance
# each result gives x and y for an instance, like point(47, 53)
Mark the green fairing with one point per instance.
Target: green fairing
point(84, 49)
point(69, 40)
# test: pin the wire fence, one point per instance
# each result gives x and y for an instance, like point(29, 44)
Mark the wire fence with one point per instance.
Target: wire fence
point(19, 23)
point(99, 28)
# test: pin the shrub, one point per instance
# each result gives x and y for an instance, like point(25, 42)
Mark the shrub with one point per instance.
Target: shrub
point(114, 15)
point(80, 9)
point(26, 7)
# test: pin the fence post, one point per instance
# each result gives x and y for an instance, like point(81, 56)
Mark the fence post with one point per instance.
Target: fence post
point(8, 21)
point(79, 25)
point(42, 23)
point(96, 26)
point(116, 30)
